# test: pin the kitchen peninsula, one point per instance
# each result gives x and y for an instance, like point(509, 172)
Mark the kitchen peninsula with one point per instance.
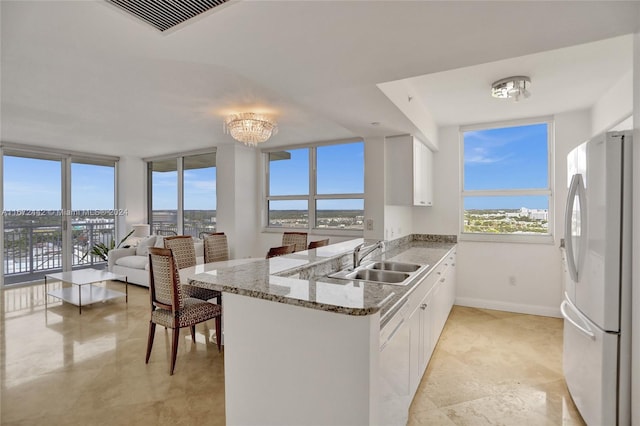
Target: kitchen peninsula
point(302, 348)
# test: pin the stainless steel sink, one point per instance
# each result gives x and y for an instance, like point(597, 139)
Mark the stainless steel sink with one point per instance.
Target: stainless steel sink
point(395, 266)
point(377, 276)
point(382, 272)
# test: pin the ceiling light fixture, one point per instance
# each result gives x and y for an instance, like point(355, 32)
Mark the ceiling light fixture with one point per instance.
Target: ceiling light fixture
point(511, 88)
point(250, 128)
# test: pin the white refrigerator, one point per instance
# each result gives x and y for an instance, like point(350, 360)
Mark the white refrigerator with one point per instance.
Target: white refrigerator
point(597, 265)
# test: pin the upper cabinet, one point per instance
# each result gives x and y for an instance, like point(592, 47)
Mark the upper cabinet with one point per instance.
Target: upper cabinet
point(408, 172)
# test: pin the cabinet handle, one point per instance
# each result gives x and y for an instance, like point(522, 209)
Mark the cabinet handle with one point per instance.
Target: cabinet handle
point(453, 264)
point(439, 273)
point(441, 280)
point(395, 330)
point(423, 306)
point(446, 264)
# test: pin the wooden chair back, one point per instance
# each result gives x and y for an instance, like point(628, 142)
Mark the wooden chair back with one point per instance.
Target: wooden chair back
point(319, 243)
point(279, 251)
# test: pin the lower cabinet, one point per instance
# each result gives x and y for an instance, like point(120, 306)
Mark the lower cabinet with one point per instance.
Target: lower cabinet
point(409, 338)
point(395, 369)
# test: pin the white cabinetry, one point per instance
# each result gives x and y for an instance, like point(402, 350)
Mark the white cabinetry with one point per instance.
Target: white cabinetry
point(395, 368)
point(407, 341)
point(408, 174)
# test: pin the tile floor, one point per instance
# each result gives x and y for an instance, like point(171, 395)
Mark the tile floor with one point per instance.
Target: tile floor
point(61, 368)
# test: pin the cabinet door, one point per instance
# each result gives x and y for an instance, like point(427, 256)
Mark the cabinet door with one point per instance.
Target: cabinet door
point(395, 379)
point(436, 308)
point(422, 182)
point(415, 366)
point(408, 172)
point(426, 324)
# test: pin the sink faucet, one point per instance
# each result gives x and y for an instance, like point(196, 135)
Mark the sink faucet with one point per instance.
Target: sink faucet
point(357, 257)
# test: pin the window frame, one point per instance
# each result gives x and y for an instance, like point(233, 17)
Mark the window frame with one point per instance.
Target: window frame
point(312, 196)
point(547, 238)
point(179, 158)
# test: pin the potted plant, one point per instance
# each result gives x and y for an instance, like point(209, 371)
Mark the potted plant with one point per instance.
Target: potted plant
point(101, 250)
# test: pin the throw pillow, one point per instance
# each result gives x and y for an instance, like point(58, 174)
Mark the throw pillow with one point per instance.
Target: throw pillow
point(159, 241)
point(143, 246)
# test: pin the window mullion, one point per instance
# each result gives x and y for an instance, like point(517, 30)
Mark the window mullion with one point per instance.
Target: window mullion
point(180, 201)
point(338, 196)
point(313, 180)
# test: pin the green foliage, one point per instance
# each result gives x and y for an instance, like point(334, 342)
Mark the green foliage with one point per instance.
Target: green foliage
point(101, 250)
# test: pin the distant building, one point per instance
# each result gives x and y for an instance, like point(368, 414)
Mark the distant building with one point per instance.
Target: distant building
point(537, 214)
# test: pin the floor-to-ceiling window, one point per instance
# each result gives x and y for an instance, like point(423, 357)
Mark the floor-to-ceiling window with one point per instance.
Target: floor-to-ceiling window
point(56, 207)
point(93, 210)
point(199, 203)
point(32, 217)
point(164, 196)
point(182, 194)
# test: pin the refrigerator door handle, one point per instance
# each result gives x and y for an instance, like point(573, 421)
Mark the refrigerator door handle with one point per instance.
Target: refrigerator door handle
point(584, 330)
point(575, 189)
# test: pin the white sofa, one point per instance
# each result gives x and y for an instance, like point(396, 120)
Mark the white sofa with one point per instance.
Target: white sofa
point(134, 261)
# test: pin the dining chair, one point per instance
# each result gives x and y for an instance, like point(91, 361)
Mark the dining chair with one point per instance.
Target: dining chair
point(319, 243)
point(299, 239)
point(184, 253)
point(203, 234)
point(216, 248)
point(279, 251)
point(171, 307)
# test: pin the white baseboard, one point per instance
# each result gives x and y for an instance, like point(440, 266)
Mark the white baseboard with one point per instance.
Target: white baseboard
point(545, 311)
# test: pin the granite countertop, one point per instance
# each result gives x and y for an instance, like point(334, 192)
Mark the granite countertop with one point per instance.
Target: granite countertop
point(278, 279)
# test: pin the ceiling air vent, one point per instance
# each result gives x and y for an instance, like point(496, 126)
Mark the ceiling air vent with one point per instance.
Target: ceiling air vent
point(164, 14)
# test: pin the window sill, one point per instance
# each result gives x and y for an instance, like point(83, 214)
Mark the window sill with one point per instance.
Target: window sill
point(508, 238)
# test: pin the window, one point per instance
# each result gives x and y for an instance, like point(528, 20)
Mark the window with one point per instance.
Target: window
point(506, 190)
point(319, 186)
point(57, 206)
point(182, 194)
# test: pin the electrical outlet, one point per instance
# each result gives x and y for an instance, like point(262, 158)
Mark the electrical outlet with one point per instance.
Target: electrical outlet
point(369, 224)
point(512, 280)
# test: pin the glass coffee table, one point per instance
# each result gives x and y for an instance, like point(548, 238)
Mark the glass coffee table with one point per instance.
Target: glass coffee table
point(87, 293)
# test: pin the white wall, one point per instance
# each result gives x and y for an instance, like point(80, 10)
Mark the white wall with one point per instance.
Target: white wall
point(132, 193)
point(514, 277)
point(635, 350)
point(238, 193)
point(374, 187)
point(398, 221)
point(615, 105)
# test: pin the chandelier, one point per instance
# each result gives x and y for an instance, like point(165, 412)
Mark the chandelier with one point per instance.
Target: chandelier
point(511, 88)
point(250, 128)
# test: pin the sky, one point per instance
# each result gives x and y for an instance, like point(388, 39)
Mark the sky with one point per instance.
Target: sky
point(199, 189)
point(91, 188)
point(340, 170)
point(506, 158)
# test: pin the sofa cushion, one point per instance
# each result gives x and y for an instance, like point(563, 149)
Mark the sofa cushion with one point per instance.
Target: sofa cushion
point(143, 246)
point(135, 262)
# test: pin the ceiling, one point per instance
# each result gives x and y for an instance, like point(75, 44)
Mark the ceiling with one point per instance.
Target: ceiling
point(86, 76)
